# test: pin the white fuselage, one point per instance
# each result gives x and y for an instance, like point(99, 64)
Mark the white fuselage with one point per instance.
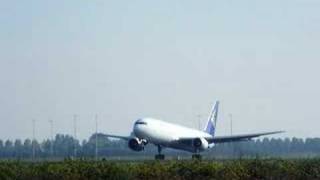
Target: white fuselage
point(166, 134)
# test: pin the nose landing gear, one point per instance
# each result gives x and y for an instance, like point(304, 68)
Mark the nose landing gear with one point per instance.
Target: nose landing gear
point(197, 155)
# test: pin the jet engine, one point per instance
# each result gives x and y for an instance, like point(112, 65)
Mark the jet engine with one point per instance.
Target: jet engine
point(136, 144)
point(200, 144)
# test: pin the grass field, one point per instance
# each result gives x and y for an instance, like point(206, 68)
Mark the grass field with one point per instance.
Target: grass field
point(228, 169)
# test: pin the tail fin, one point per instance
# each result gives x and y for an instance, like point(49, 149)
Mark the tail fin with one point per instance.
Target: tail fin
point(212, 120)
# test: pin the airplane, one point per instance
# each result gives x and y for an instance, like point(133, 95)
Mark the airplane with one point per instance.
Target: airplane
point(168, 135)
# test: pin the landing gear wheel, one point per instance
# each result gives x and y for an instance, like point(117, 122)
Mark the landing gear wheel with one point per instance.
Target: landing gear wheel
point(196, 157)
point(159, 157)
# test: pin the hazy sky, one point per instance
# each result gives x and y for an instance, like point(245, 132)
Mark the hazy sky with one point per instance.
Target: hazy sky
point(165, 59)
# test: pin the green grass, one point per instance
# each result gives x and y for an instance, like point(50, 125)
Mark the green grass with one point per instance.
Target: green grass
point(228, 169)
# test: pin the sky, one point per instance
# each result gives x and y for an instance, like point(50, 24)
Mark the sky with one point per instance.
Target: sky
point(123, 60)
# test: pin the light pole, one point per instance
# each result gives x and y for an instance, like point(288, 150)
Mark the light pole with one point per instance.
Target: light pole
point(51, 136)
point(231, 129)
point(230, 115)
point(75, 135)
point(33, 139)
point(96, 152)
point(199, 119)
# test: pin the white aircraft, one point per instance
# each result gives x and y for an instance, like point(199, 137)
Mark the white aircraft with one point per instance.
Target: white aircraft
point(168, 135)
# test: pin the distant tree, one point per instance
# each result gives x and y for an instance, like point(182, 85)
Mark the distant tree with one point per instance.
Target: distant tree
point(297, 145)
point(46, 148)
point(18, 148)
point(27, 149)
point(64, 145)
point(287, 145)
point(1, 148)
point(8, 149)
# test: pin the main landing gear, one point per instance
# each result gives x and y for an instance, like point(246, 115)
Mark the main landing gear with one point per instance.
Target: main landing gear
point(159, 156)
point(196, 157)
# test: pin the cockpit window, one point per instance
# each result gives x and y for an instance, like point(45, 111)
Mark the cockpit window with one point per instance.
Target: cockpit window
point(140, 122)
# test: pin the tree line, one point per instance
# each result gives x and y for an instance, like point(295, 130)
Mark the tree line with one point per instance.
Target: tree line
point(65, 146)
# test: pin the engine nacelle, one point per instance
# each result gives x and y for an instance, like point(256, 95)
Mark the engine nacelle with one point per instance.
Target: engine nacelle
point(136, 144)
point(200, 143)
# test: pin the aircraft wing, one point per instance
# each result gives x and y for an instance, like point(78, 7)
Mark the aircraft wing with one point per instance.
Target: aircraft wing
point(224, 139)
point(244, 137)
point(117, 136)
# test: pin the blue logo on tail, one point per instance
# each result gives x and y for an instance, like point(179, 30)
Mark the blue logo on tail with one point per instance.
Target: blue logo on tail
point(212, 120)
point(210, 128)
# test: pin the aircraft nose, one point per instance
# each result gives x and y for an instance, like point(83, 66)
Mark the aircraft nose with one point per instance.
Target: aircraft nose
point(140, 122)
point(139, 125)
